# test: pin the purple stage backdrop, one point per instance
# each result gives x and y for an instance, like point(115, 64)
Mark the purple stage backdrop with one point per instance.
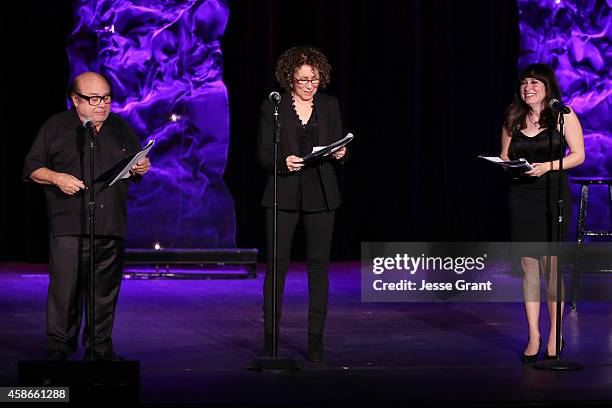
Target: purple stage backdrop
point(573, 36)
point(165, 64)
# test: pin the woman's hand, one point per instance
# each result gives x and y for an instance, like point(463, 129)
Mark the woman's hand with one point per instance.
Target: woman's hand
point(294, 163)
point(338, 154)
point(539, 169)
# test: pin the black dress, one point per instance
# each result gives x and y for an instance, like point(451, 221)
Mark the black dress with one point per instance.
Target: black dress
point(533, 200)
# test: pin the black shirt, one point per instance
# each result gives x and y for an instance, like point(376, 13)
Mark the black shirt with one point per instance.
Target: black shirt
point(62, 145)
point(311, 196)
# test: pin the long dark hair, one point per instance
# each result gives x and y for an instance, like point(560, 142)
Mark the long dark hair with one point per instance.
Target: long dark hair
point(516, 114)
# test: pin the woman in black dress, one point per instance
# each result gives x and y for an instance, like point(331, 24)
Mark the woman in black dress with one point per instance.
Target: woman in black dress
point(306, 192)
point(531, 132)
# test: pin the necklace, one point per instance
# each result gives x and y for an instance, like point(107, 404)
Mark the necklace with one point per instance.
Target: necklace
point(302, 109)
point(298, 104)
point(536, 123)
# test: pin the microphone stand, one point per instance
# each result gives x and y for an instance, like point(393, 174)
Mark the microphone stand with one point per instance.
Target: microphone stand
point(557, 364)
point(274, 364)
point(92, 222)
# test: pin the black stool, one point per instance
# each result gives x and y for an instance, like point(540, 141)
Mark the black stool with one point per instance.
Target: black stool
point(581, 232)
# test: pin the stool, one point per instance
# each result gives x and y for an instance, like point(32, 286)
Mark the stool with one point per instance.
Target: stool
point(581, 232)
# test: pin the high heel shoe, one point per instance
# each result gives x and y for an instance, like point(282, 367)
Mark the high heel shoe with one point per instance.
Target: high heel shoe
point(530, 359)
point(553, 357)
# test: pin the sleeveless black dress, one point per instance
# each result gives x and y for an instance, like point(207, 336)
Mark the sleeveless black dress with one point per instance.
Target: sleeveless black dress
point(533, 200)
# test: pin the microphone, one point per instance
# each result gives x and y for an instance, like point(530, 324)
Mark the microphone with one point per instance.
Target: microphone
point(559, 106)
point(88, 124)
point(274, 97)
point(91, 129)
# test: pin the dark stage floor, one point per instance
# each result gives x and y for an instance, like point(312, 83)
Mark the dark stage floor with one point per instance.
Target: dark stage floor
point(194, 338)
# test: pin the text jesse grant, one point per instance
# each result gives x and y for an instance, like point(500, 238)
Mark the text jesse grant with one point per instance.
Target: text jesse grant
point(408, 285)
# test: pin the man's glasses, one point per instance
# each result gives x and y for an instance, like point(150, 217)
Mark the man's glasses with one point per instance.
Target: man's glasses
point(95, 100)
point(305, 82)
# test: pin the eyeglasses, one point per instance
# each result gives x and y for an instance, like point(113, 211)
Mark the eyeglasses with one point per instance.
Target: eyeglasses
point(304, 82)
point(95, 100)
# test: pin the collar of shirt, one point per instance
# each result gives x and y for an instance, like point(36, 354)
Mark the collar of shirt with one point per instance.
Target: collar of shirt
point(109, 123)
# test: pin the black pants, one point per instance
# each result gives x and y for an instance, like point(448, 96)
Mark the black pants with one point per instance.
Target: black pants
point(319, 228)
point(69, 289)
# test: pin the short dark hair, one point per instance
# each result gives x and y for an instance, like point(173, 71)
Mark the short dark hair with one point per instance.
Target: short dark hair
point(292, 59)
point(516, 115)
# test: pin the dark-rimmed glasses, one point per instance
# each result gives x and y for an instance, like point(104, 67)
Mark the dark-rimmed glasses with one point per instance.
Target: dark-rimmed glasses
point(305, 82)
point(95, 100)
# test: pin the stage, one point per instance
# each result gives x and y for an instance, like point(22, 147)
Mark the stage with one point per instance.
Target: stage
point(194, 338)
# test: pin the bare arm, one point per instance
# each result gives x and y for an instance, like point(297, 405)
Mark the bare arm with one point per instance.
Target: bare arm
point(65, 182)
point(575, 142)
point(505, 145)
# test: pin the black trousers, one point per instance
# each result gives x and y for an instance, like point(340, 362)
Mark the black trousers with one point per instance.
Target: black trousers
point(318, 227)
point(69, 290)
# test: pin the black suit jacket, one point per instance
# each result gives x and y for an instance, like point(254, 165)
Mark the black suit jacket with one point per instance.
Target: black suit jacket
point(330, 130)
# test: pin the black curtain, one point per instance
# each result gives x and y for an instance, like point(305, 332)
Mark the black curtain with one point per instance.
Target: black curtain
point(33, 81)
point(422, 84)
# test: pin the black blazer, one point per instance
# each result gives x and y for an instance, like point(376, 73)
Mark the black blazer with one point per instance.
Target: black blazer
point(330, 130)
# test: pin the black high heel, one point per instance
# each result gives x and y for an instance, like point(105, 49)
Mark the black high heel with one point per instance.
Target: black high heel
point(530, 359)
point(553, 357)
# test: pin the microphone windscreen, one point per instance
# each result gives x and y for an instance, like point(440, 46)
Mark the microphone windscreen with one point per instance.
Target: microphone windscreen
point(274, 97)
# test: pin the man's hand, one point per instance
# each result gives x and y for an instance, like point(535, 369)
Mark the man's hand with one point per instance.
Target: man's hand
point(68, 183)
point(141, 167)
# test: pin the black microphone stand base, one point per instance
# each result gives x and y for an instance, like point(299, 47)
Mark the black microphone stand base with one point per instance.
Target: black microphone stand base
point(274, 365)
point(557, 365)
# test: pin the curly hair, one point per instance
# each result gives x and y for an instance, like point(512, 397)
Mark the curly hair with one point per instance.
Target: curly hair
point(516, 114)
point(291, 60)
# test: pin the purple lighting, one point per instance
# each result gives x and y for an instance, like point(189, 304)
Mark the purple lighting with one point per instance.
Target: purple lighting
point(165, 64)
point(573, 36)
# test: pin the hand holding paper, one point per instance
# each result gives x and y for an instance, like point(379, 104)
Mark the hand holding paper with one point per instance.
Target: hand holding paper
point(141, 167)
point(539, 169)
point(294, 163)
point(339, 154)
point(321, 151)
point(137, 163)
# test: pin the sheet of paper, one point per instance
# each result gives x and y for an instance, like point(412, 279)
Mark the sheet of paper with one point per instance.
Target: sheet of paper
point(520, 163)
point(125, 173)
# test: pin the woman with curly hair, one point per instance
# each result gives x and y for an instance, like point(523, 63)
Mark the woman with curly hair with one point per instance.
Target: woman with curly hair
point(531, 132)
point(307, 192)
